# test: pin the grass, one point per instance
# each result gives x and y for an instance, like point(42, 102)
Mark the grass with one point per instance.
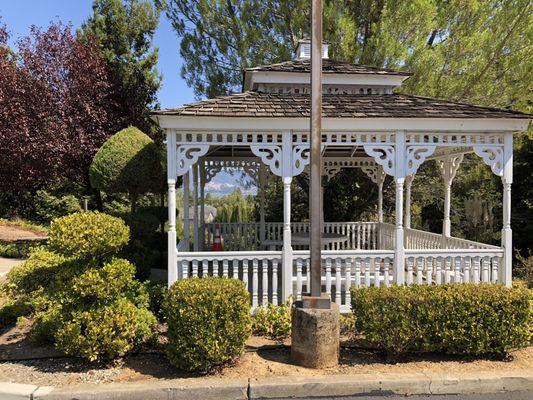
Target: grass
point(24, 224)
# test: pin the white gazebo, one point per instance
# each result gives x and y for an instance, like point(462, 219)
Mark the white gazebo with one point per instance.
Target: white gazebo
point(265, 131)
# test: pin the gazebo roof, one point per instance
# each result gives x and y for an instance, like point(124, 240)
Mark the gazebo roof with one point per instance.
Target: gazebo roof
point(260, 104)
point(328, 67)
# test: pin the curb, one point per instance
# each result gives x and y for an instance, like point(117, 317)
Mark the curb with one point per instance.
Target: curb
point(325, 386)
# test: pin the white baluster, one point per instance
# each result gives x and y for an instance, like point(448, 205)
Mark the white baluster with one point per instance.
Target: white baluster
point(494, 275)
point(485, 272)
point(328, 276)
point(457, 272)
point(409, 279)
point(466, 272)
point(357, 282)
point(438, 270)
point(275, 281)
point(299, 279)
point(225, 268)
point(245, 266)
point(386, 266)
point(429, 270)
point(367, 272)
point(255, 283)
point(348, 280)
point(195, 268)
point(264, 265)
point(338, 280)
point(419, 270)
point(235, 271)
point(185, 269)
point(476, 269)
point(447, 269)
point(377, 272)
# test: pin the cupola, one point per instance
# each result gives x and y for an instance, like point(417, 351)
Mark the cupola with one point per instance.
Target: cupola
point(303, 50)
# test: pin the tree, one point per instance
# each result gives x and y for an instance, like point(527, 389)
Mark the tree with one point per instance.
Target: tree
point(54, 108)
point(220, 38)
point(125, 32)
point(128, 162)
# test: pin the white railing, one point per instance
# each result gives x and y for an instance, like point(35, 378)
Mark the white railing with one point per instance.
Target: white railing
point(417, 239)
point(342, 269)
point(247, 235)
point(443, 266)
point(259, 270)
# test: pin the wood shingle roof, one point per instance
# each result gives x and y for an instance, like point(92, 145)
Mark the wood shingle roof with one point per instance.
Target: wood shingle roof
point(259, 104)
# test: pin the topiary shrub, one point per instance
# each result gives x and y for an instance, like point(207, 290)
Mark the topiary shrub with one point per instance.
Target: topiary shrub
point(105, 332)
point(463, 319)
point(87, 234)
point(273, 321)
point(208, 322)
point(128, 162)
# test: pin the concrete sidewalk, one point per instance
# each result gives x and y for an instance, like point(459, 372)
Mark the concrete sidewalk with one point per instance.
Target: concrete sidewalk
point(328, 386)
point(7, 263)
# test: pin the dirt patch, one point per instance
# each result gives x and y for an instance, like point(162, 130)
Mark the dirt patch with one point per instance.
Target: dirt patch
point(12, 233)
point(263, 358)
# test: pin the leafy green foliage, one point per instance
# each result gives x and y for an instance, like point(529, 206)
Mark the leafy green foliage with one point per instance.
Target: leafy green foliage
point(273, 321)
point(80, 297)
point(87, 234)
point(125, 32)
point(128, 162)
point(49, 206)
point(208, 322)
point(11, 310)
point(456, 319)
point(157, 292)
point(106, 332)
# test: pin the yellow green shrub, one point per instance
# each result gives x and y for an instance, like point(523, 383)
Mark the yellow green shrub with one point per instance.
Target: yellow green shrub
point(87, 234)
point(103, 333)
point(455, 319)
point(208, 322)
point(271, 320)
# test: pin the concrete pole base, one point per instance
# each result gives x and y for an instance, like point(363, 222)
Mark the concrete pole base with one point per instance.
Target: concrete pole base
point(315, 336)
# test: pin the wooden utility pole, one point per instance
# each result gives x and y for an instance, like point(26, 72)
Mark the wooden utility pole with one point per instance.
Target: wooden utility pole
point(315, 200)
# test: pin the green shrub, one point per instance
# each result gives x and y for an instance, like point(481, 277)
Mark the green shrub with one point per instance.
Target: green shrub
point(17, 249)
point(11, 310)
point(34, 274)
point(156, 295)
point(105, 332)
point(128, 162)
point(208, 322)
point(456, 319)
point(87, 234)
point(49, 206)
point(273, 321)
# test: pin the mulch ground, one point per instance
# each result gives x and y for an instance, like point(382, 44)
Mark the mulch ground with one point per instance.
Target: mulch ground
point(23, 363)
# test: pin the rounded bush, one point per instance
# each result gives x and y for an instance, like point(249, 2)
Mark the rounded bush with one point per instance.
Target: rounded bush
point(87, 234)
point(128, 162)
point(463, 319)
point(103, 333)
point(36, 273)
point(273, 321)
point(208, 322)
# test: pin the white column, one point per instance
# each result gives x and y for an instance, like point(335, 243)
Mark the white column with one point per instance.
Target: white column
point(186, 224)
point(322, 221)
point(507, 233)
point(202, 206)
point(172, 258)
point(399, 179)
point(287, 246)
point(195, 206)
point(380, 202)
point(380, 180)
point(448, 167)
point(407, 218)
point(262, 187)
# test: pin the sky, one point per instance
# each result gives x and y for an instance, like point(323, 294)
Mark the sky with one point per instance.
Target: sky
point(20, 15)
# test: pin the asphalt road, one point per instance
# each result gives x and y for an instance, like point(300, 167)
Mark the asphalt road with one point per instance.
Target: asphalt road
point(496, 396)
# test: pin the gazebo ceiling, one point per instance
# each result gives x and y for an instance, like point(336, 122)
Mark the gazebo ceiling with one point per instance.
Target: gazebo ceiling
point(259, 104)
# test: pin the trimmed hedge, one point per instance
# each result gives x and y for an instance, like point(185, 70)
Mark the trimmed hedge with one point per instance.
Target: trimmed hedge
point(463, 319)
point(273, 321)
point(208, 322)
point(87, 234)
point(128, 162)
